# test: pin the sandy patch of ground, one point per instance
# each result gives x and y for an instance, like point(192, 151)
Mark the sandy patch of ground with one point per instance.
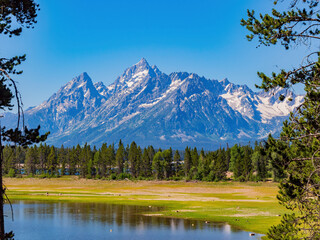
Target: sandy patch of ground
point(253, 214)
point(153, 214)
point(184, 210)
point(157, 190)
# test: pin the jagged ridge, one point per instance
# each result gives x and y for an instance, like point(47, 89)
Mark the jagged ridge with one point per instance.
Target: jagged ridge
point(150, 107)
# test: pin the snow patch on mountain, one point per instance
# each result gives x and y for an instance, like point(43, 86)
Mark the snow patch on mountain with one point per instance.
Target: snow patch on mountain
point(270, 110)
point(136, 78)
point(102, 89)
point(183, 137)
point(264, 105)
point(128, 117)
point(239, 101)
point(175, 84)
point(243, 134)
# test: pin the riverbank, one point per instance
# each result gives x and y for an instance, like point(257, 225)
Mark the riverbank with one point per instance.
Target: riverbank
point(249, 206)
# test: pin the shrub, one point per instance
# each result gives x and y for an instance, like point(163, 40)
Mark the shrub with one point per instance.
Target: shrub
point(113, 176)
point(241, 179)
point(12, 173)
point(123, 176)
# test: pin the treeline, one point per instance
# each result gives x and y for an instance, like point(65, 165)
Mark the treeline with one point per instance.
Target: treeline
point(242, 163)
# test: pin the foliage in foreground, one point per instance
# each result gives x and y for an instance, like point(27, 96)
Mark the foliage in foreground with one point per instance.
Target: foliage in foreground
point(14, 16)
point(297, 152)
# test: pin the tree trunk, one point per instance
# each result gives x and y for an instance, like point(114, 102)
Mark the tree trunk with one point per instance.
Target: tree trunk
point(1, 191)
point(1, 204)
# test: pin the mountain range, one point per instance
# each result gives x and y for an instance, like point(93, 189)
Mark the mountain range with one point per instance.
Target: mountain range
point(150, 107)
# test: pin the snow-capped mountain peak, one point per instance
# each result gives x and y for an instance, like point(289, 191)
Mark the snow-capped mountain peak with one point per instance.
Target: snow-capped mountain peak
point(134, 74)
point(141, 67)
point(143, 63)
point(83, 82)
point(156, 70)
point(150, 107)
point(101, 88)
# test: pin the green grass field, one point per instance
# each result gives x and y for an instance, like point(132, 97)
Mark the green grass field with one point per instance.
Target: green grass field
point(248, 206)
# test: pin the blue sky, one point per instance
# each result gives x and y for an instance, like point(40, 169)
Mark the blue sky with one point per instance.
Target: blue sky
point(104, 37)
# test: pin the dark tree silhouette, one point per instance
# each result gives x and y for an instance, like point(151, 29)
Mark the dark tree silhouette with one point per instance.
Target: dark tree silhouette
point(14, 16)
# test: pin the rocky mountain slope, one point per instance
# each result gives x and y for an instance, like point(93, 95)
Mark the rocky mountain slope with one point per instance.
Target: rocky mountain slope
point(150, 107)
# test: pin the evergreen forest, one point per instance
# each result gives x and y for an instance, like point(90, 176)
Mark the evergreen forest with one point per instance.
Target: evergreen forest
point(240, 163)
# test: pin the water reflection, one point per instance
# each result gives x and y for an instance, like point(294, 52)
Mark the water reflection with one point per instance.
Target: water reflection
point(63, 220)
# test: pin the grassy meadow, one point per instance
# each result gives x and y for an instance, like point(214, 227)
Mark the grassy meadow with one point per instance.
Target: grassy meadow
point(248, 206)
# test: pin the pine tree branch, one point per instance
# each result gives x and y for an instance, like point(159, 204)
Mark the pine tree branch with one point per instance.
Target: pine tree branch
point(305, 159)
point(304, 36)
point(18, 97)
point(312, 25)
point(301, 137)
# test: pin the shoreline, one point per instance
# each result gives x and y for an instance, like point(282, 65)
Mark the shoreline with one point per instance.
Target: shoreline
point(247, 206)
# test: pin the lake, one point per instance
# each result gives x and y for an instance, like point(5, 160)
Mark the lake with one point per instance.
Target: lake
point(66, 220)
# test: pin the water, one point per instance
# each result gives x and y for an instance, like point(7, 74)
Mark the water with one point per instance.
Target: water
point(63, 220)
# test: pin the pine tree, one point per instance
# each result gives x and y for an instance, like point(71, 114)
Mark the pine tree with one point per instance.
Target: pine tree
point(297, 153)
point(120, 157)
point(14, 16)
point(151, 153)
point(8, 159)
point(220, 167)
point(62, 160)
point(31, 161)
point(134, 159)
point(247, 163)
point(83, 161)
point(103, 156)
point(167, 163)
point(96, 159)
point(210, 159)
point(126, 165)
point(157, 167)
point(146, 164)
point(236, 164)
point(204, 167)
point(90, 168)
point(72, 161)
point(187, 162)
point(194, 163)
point(89, 161)
point(76, 159)
point(43, 158)
point(260, 162)
point(19, 156)
point(110, 159)
point(177, 163)
point(52, 161)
